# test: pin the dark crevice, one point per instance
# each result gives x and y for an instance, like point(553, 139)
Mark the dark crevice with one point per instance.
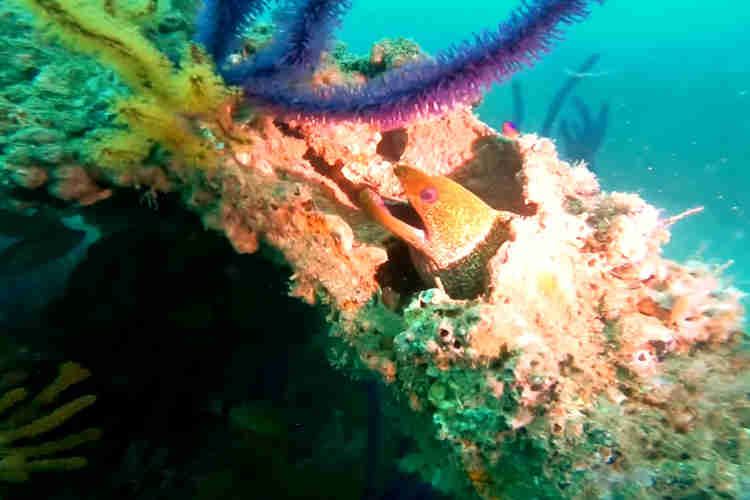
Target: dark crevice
point(288, 130)
point(494, 174)
point(393, 143)
point(398, 274)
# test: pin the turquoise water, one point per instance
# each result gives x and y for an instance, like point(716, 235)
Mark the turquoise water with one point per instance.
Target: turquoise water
point(677, 77)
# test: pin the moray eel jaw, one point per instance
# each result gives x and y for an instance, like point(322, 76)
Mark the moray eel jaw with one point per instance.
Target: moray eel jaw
point(461, 232)
point(373, 204)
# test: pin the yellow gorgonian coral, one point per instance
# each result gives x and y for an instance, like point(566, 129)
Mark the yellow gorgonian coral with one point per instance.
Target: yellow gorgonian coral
point(164, 97)
point(22, 422)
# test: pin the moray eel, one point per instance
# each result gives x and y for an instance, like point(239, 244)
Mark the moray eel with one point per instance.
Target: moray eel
point(461, 232)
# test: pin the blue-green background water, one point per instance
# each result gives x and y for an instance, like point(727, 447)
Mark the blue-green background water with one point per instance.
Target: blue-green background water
point(677, 77)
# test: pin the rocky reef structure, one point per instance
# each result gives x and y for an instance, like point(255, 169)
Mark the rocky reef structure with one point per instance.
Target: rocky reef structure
point(585, 365)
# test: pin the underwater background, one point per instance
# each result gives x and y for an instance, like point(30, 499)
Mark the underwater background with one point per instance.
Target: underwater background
point(242, 403)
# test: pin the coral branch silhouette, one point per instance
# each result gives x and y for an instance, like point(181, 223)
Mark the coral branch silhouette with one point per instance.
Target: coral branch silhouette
point(218, 22)
point(560, 96)
point(582, 141)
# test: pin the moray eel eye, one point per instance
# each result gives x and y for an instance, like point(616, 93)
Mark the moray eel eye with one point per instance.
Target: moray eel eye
point(428, 195)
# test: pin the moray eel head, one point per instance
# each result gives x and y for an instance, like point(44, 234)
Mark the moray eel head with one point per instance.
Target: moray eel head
point(452, 215)
point(461, 232)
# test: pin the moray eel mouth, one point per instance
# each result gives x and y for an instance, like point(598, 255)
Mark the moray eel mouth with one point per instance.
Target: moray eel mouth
point(399, 217)
point(406, 213)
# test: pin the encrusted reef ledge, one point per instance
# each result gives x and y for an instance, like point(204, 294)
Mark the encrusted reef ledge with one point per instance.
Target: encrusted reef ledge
point(296, 185)
point(589, 363)
point(588, 366)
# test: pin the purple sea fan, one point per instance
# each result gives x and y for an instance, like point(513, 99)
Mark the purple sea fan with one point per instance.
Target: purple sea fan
point(457, 76)
point(304, 29)
point(218, 22)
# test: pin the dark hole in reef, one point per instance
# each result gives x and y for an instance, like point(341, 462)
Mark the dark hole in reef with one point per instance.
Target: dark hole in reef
point(319, 164)
point(287, 130)
point(493, 175)
point(398, 273)
point(31, 73)
point(612, 458)
point(393, 144)
point(452, 314)
point(406, 213)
